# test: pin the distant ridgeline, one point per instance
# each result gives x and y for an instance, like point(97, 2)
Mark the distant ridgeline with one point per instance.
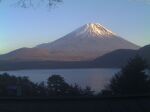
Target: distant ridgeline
point(114, 59)
point(85, 43)
point(91, 45)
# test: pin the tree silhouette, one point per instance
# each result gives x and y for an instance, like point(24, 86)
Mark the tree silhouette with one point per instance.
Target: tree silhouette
point(16, 86)
point(42, 89)
point(23, 87)
point(131, 80)
point(88, 91)
point(57, 86)
point(33, 3)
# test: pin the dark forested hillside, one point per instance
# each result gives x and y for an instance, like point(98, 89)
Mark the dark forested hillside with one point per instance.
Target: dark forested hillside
point(114, 59)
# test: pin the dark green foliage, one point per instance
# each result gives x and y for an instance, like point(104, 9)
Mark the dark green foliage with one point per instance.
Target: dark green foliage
point(57, 86)
point(131, 80)
point(88, 91)
point(16, 86)
point(42, 90)
point(23, 87)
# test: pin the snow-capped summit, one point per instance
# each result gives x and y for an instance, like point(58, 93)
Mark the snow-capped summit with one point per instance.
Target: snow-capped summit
point(96, 30)
point(86, 43)
point(93, 30)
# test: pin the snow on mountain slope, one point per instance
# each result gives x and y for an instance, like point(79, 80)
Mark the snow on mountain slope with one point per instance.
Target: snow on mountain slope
point(93, 30)
point(86, 43)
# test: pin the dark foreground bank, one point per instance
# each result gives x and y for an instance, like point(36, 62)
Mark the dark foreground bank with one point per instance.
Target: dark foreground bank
point(80, 104)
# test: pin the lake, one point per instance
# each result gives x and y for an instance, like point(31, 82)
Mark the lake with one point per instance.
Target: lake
point(97, 79)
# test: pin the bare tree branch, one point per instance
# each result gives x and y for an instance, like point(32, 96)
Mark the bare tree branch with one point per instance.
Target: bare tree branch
point(34, 3)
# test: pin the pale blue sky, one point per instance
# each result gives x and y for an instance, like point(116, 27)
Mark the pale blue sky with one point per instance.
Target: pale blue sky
point(29, 27)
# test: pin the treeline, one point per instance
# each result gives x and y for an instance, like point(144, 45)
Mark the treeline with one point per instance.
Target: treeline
point(133, 79)
point(55, 86)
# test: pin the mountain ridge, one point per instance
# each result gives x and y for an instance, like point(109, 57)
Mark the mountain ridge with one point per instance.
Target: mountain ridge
point(114, 59)
point(85, 43)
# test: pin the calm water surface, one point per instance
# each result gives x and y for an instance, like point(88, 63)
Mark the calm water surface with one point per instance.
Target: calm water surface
point(95, 78)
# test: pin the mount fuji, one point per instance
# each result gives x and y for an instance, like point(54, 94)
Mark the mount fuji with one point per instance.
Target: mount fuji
point(86, 43)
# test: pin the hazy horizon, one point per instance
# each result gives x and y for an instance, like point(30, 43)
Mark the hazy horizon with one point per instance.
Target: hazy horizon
point(30, 27)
